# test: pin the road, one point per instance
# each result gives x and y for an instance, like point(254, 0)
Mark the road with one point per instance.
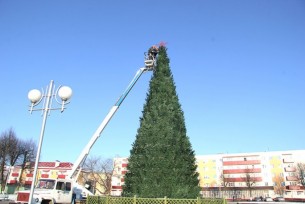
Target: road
point(6, 201)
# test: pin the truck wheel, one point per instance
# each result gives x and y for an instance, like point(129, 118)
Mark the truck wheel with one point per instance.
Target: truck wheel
point(47, 202)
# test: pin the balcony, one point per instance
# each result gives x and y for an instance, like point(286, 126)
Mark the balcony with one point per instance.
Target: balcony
point(29, 175)
point(15, 174)
point(243, 179)
point(293, 187)
point(117, 187)
point(287, 160)
point(290, 169)
point(242, 171)
point(247, 162)
point(292, 178)
point(28, 182)
point(12, 182)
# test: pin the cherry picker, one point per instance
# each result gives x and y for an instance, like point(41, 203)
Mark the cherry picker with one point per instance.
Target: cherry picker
point(65, 190)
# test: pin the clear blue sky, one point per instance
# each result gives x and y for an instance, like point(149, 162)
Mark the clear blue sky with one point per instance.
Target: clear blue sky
point(238, 66)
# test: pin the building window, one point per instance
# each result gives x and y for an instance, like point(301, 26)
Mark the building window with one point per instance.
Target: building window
point(293, 183)
point(245, 159)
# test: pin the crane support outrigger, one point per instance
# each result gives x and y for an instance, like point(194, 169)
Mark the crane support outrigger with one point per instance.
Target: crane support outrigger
point(66, 190)
point(150, 61)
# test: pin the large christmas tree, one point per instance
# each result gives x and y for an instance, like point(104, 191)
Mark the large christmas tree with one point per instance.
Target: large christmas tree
point(162, 162)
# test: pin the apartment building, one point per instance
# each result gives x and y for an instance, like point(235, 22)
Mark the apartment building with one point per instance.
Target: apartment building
point(239, 176)
point(19, 179)
point(119, 171)
point(247, 175)
point(45, 170)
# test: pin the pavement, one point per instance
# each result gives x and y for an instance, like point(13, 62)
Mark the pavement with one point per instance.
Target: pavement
point(5, 201)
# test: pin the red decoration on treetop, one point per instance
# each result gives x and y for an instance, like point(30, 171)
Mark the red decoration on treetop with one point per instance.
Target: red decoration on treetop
point(162, 44)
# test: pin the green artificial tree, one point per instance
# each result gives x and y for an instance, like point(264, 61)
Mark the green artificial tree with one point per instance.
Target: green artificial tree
point(162, 162)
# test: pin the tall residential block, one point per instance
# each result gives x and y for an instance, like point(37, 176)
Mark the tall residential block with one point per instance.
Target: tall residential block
point(240, 176)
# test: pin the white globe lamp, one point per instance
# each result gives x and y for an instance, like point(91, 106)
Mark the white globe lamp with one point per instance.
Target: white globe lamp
point(65, 93)
point(34, 95)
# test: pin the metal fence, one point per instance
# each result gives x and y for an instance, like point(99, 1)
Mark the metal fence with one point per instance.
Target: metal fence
point(165, 200)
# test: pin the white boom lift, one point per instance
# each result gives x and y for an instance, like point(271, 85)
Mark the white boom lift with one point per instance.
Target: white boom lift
point(149, 66)
point(49, 191)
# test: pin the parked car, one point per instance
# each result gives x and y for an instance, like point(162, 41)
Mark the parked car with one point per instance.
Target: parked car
point(268, 199)
point(257, 199)
point(279, 199)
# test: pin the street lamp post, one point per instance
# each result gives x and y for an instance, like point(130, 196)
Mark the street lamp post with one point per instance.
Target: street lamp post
point(35, 97)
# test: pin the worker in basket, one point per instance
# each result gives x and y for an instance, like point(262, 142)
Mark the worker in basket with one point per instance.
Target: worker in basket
point(152, 52)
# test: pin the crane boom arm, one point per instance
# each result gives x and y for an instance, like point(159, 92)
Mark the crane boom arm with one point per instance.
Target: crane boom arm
point(149, 65)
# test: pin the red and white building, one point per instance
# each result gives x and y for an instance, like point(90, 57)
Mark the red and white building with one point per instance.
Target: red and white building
point(119, 171)
point(45, 170)
point(230, 175)
point(220, 175)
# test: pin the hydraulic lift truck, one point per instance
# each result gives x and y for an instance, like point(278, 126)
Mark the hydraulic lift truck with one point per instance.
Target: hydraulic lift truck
point(65, 190)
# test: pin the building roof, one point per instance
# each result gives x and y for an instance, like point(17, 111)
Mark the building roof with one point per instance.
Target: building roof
point(55, 165)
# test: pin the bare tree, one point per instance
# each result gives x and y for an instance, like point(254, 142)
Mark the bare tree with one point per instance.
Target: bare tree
point(279, 188)
point(301, 173)
point(99, 174)
point(9, 153)
point(27, 155)
point(223, 180)
point(250, 179)
point(13, 151)
point(3, 159)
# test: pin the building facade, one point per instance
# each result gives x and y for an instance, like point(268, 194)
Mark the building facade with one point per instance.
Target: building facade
point(21, 179)
point(119, 171)
point(239, 176)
